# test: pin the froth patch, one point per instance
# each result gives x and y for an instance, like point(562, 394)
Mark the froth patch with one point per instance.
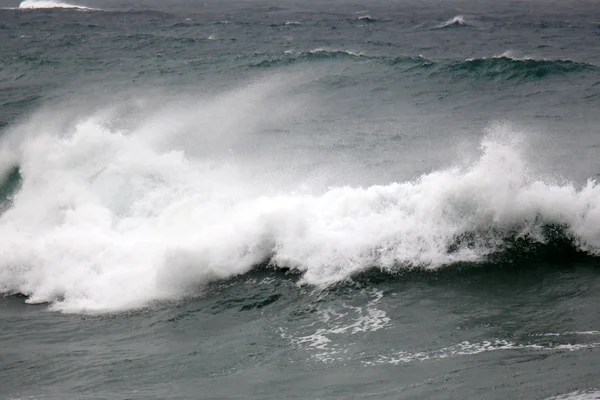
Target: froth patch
point(327, 337)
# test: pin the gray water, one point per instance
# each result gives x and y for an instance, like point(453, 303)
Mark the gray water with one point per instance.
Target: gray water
point(312, 200)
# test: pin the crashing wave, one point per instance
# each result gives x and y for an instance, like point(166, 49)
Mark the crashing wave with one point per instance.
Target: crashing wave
point(103, 218)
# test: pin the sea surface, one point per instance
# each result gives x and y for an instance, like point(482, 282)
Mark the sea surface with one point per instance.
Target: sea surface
point(300, 199)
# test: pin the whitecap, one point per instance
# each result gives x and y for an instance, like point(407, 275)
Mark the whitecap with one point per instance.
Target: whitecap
point(40, 4)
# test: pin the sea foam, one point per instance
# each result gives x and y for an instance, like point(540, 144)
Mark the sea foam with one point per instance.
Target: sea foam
point(111, 216)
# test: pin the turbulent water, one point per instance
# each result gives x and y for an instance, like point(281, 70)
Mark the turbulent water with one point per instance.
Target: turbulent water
point(299, 199)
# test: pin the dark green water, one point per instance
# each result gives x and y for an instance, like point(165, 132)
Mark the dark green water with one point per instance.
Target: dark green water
point(300, 199)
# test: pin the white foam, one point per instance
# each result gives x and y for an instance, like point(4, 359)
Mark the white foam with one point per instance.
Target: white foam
point(35, 4)
point(321, 336)
point(457, 20)
point(578, 395)
point(113, 216)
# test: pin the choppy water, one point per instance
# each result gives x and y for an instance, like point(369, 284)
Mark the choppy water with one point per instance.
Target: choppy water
point(299, 200)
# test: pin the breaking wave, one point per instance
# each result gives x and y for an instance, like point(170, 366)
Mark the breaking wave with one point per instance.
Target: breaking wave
point(104, 215)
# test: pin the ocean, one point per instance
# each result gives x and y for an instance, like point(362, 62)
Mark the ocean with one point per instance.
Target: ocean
point(300, 199)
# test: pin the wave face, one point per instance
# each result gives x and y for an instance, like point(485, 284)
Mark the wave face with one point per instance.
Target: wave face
point(39, 4)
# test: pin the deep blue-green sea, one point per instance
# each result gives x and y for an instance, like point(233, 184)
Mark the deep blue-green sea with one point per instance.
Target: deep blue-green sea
point(300, 199)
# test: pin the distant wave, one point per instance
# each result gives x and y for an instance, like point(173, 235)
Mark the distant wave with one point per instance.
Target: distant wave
point(292, 57)
point(514, 68)
point(505, 66)
point(456, 21)
point(40, 4)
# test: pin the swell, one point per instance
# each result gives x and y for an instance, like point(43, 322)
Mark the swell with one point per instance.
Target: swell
point(502, 67)
point(510, 68)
